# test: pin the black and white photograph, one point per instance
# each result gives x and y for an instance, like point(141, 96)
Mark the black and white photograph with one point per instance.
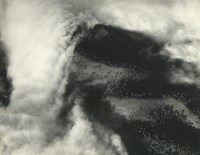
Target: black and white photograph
point(99, 77)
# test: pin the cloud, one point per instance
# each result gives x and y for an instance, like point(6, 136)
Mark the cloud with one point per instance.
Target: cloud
point(37, 35)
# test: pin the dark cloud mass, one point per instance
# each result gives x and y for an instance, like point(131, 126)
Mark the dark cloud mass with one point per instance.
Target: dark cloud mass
point(166, 129)
point(5, 81)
